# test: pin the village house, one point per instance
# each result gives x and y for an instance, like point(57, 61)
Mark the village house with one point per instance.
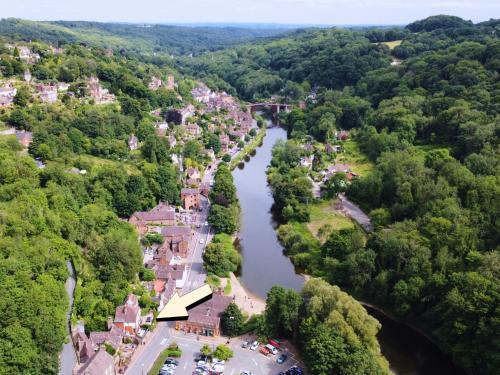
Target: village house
point(193, 173)
point(7, 95)
point(170, 82)
point(204, 319)
point(47, 93)
point(83, 346)
point(62, 86)
point(307, 161)
point(344, 168)
point(176, 239)
point(162, 214)
point(202, 93)
point(329, 149)
point(237, 135)
point(27, 76)
point(172, 141)
point(155, 83)
point(96, 92)
point(101, 363)
point(128, 315)
point(193, 130)
point(24, 138)
point(161, 129)
point(342, 135)
point(133, 142)
point(179, 116)
point(26, 55)
point(113, 337)
point(224, 143)
point(190, 198)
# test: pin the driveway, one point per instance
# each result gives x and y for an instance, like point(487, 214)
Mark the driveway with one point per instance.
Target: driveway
point(353, 211)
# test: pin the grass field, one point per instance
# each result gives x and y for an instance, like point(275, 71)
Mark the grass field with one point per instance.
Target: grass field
point(131, 169)
point(353, 156)
point(393, 44)
point(325, 213)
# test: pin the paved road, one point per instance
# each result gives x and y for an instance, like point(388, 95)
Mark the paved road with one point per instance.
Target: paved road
point(160, 338)
point(356, 213)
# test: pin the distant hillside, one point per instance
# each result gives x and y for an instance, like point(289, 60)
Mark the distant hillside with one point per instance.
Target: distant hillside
point(177, 40)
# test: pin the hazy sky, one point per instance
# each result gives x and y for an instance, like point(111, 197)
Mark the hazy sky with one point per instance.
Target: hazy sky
point(261, 11)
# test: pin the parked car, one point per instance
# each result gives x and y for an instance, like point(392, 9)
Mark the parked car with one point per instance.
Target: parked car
point(206, 223)
point(264, 350)
point(255, 345)
point(294, 370)
point(246, 372)
point(272, 349)
point(202, 241)
point(282, 358)
point(171, 361)
point(245, 344)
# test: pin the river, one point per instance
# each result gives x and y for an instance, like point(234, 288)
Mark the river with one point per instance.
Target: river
point(265, 265)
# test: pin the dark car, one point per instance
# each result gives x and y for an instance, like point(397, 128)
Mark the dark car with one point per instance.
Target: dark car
point(171, 361)
point(282, 358)
point(295, 370)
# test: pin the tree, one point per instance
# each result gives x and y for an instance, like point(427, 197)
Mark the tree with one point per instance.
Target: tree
point(232, 320)
point(223, 352)
point(282, 311)
point(22, 97)
point(206, 350)
point(220, 256)
point(226, 158)
point(224, 219)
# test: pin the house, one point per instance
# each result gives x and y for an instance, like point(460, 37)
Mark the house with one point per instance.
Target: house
point(128, 315)
point(204, 319)
point(333, 169)
point(170, 82)
point(329, 149)
point(96, 92)
point(238, 135)
point(202, 93)
point(27, 76)
point(224, 143)
point(101, 363)
point(175, 272)
point(193, 173)
point(162, 214)
point(133, 142)
point(62, 86)
point(155, 83)
point(307, 161)
point(342, 135)
point(82, 344)
point(193, 129)
point(47, 93)
point(179, 116)
point(161, 129)
point(113, 337)
point(176, 240)
point(24, 138)
point(27, 56)
point(190, 198)
point(7, 95)
point(172, 141)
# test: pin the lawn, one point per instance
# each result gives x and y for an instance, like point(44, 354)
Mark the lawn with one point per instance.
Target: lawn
point(393, 44)
point(353, 156)
point(325, 213)
point(131, 169)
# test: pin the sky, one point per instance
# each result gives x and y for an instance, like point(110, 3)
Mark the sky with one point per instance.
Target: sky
point(328, 12)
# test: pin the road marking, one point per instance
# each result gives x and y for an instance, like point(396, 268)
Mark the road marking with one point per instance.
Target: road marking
point(164, 342)
point(254, 361)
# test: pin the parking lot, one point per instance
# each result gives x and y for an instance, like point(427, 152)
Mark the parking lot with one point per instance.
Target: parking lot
point(243, 360)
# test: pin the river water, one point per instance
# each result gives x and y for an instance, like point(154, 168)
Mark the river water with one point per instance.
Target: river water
point(264, 265)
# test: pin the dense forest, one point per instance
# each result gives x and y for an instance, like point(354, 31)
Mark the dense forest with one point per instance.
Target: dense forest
point(164, 39)
point(431, 127)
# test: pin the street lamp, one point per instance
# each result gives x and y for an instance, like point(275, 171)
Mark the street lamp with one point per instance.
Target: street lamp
point(142, 369)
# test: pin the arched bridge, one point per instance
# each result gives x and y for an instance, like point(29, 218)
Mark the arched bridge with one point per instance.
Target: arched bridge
point(274, 107)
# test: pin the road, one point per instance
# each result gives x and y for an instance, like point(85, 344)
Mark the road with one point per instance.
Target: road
point(160, 338)
point(356, 213)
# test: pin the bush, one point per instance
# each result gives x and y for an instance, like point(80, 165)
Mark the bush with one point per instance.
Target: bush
point(172, 351)
point(226, 158)
point(223, 352)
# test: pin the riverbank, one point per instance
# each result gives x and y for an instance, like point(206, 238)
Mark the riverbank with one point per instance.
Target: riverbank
point(249, 148)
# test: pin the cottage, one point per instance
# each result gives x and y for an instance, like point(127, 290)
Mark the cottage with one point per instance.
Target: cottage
point(172, 141)
point(26, 55)
point(133, 142)
point(101, 363)
point(155, 83)
point(224, 143)
point(170, 82)
point(83, 346)
point(342, 135)
point(47, 93)
point(307, 161)
point(24, 138)
point(27, 76)
point(204, 319)
point(176, 239)
point(7, 95)
point(162, 214)
point(179, 116)
point(190, 198)
point(193, 130)
point(193, 173)
point(113, 337)
point(128, 315)
point(100, 95)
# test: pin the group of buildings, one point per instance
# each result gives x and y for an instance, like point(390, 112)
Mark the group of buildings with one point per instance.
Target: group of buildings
point(123, 334)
